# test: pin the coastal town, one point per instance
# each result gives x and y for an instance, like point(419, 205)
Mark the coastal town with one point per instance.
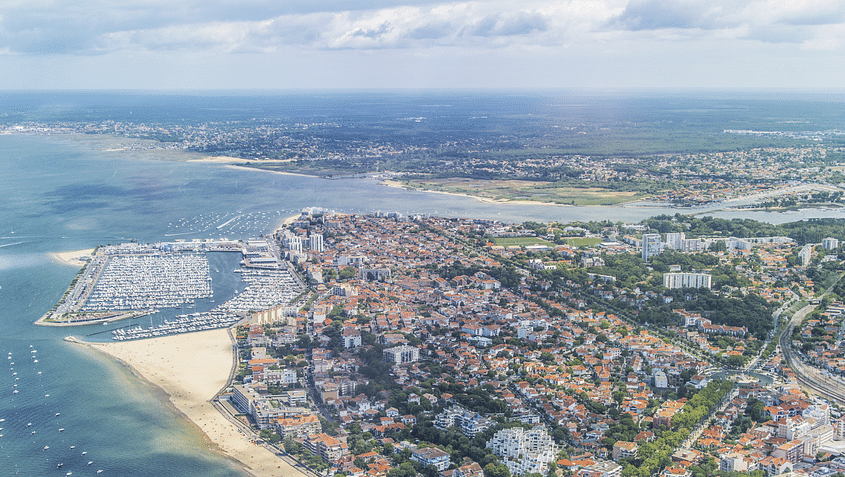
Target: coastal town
point(396, 346)
point(785, 170)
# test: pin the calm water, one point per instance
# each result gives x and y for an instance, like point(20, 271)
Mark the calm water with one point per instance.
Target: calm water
point(61, 193)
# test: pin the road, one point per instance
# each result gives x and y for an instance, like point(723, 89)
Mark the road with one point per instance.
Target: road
point(820, 382)
point(813, 378)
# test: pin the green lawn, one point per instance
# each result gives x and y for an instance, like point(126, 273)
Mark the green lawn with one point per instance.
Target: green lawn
point(508, 241)
point(588, 241)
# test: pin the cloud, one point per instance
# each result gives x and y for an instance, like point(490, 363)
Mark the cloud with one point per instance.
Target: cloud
point(100, 27)
point(659, 14)
point(518, 23)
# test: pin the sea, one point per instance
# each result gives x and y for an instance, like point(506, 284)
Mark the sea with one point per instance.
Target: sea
point(61, 403)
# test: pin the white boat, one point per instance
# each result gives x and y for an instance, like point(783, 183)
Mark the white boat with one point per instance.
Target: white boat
point(46, 447)
point(61, 429)
point(90, 462)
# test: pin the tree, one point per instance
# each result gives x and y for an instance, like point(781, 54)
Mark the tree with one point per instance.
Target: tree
point(347, 273)
point(496, 470)
point(756, 409)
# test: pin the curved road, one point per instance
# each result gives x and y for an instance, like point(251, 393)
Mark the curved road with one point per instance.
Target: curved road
point(830, 387)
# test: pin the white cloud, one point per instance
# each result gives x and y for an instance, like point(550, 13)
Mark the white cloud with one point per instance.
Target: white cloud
point(558, 38)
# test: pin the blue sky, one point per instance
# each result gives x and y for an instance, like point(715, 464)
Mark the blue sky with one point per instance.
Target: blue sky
point(278, 44)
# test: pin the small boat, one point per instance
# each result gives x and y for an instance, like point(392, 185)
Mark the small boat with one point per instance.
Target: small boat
point(15, 391)
point(59, 466)
point(84, 452)
point(61, 429)
point(100, 471)
point(28, 424)
point(58, 414)
point(73, 447)
point(46, 447)
point(90, 462)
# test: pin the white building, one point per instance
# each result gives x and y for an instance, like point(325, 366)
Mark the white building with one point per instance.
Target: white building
point(431, 456)
point(806, 254)
point(316, 242)
point(292, 242)
point(401, 354)
point(693, 245)
point(686, 280)
point(470, 423)
point(651, 245)
point(660, 380)
point(830, 243)
point(351, 338)
point(675, 240)
point(524, 451)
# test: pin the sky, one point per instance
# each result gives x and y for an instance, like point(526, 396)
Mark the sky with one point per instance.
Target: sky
point(418, 44)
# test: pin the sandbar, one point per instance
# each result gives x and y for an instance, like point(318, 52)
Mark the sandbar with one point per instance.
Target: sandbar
point(484, 200)
point(74, 258)
point(222, 160)
point(192, 368)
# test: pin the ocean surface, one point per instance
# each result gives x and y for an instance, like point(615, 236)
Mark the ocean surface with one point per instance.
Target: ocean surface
point(61, 193)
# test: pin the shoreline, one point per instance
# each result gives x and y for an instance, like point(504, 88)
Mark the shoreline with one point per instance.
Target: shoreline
point(191, 369)
point(73, 258)
point(484, 200)
point(258, 169)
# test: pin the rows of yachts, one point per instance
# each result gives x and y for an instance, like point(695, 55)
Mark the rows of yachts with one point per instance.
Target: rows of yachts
point(135, 282)
point(199, 321)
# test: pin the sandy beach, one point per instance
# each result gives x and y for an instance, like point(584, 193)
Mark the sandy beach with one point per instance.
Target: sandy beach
point(73, 258)
point(192, 368)
point(485, 200)
point(222, 160)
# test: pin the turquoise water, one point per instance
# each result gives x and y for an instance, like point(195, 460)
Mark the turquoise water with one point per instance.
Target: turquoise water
point(63, 193)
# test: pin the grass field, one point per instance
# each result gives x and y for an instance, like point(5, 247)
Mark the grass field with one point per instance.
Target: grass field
point(588, 241)
point(513, 190)
point(508, 241)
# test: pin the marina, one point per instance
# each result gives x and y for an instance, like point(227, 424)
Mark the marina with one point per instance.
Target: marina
point(265, 289)
point(182, 324)
point(132, 280)
point(136, 282)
